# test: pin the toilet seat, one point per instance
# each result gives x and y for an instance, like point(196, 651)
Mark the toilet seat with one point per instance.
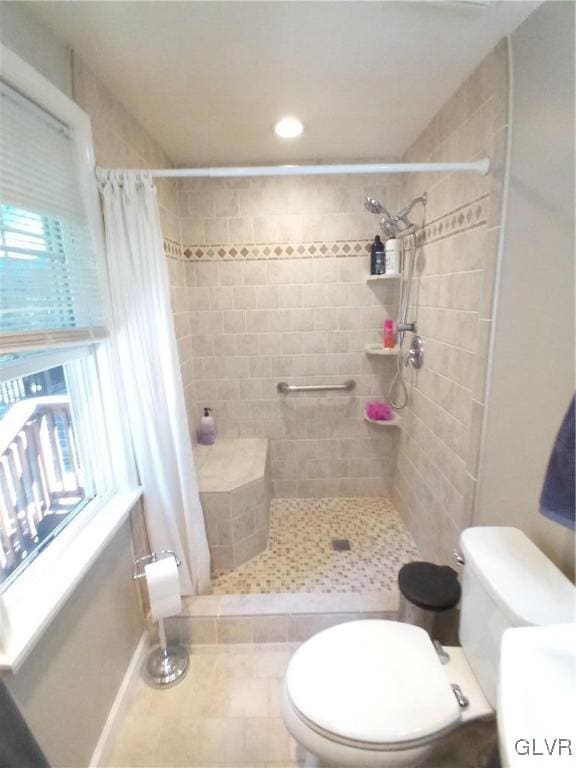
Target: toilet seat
point(372, 684)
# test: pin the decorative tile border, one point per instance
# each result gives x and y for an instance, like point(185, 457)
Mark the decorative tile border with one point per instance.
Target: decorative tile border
point(259, 251)
point(459, 220)
point(469, 216)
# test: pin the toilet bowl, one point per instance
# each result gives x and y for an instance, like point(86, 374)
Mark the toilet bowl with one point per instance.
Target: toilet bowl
point(375, 694)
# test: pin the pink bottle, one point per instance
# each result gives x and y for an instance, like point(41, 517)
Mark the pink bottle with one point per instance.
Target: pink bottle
point(389, 340)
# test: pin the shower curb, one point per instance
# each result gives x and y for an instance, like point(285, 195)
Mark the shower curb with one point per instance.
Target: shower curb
point(274, 618)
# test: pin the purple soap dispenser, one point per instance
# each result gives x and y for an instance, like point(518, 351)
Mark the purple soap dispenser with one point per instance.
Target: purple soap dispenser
point(207, 428)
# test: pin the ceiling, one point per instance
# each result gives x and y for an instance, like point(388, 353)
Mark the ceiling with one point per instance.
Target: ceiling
point(208, 80)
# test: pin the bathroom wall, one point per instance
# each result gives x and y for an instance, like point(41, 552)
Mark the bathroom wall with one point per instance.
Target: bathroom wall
point(26, 36)
point(66, 686)
point(532, 373)
point(276, 290)
point(452, 301)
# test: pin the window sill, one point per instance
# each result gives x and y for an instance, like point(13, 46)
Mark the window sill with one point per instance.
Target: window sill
point(31, 603)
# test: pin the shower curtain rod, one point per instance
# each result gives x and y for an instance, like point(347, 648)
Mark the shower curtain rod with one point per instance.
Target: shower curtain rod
point(478, 166)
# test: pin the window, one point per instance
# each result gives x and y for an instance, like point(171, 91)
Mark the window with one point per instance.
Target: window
point(50, 296)
point(66, 476)
point(43, 483)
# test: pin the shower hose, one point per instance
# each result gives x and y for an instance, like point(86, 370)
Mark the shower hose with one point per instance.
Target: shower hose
point(398, 391)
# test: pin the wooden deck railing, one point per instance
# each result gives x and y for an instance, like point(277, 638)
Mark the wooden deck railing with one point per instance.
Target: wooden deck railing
point(40, 476)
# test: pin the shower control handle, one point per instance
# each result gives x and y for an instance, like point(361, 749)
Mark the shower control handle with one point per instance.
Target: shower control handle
point(416, 352)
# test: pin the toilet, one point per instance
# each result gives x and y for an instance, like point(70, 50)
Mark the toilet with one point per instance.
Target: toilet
point(377, 694)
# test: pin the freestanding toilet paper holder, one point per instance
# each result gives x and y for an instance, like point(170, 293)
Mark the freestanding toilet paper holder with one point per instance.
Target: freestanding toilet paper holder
point(166, 664)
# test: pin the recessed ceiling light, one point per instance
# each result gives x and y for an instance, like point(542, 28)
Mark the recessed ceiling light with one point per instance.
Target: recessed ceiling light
point(288, 128)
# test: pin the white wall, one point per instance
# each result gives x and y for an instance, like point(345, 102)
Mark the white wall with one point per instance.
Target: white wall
point(65, 688)
point(532, 377)
point(34, 43)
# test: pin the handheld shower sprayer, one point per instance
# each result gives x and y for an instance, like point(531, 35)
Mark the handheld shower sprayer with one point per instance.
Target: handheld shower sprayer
point(376, 207)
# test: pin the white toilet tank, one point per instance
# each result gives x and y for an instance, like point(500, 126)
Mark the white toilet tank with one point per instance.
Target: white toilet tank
point(507, 582)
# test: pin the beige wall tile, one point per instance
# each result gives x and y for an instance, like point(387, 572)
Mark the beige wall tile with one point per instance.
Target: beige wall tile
point(265, 229)
point(240, 231)
point(216, 231)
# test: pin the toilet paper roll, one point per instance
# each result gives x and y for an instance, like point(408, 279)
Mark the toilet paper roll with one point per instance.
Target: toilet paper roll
point(163, 588)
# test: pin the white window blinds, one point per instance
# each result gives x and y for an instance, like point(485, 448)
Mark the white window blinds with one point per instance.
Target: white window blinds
point(49, 282)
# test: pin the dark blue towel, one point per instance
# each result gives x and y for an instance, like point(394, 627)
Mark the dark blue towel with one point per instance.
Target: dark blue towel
point(557, 501)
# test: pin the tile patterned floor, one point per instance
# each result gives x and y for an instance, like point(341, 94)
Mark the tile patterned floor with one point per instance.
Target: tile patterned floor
point(300, 558)
point(226, 712)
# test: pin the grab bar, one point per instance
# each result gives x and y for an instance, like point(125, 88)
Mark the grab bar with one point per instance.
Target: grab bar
point(285, 388)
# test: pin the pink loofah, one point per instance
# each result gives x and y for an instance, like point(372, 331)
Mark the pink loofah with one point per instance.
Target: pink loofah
point(379, 411)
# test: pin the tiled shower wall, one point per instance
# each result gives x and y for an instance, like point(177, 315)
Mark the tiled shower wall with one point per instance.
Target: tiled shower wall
point(453, 303)
point(276, 290)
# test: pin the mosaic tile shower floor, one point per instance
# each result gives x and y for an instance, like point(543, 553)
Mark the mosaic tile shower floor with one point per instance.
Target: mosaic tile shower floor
point(300, 557)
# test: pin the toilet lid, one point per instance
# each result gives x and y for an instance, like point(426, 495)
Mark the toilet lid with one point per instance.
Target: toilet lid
point(372, 681)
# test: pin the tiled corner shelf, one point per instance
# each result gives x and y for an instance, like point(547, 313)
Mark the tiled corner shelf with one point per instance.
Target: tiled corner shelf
point(379, 350)
point(395, 422)
point(375, 278)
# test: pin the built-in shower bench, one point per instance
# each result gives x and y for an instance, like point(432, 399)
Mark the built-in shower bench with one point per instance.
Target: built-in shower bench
point(235, 493)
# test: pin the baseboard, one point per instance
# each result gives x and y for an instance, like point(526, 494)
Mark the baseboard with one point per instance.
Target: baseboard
point(119, 705)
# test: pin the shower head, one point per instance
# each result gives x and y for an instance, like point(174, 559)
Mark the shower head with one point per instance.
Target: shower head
point(387, 224)
point(372, 205)
point(375, 206)
point(398, 225)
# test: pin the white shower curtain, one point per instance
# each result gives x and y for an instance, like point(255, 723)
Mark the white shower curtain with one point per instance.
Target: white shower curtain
point(146, 355)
